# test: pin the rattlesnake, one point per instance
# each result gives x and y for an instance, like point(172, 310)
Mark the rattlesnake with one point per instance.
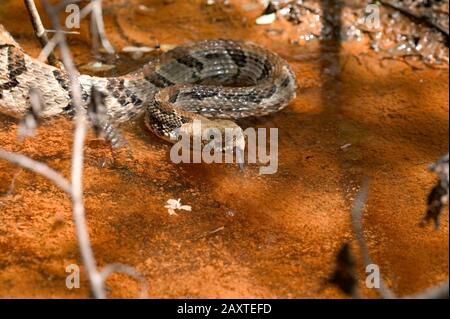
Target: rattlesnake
point(216, 79)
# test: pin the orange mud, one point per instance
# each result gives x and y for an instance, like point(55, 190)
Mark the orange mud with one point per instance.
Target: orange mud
point(280, 232)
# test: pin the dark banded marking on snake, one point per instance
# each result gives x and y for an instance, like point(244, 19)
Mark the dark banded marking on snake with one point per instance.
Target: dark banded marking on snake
point(266, 70)
point(122, 94)
point(191, 62)
point(238, 57)
point(285, 82)
point(199, 95)
point(16, 66)
point(64, 83)
point(213, 56)
point(158, 80)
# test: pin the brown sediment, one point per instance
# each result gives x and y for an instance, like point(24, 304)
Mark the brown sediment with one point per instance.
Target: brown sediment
point(279, 233)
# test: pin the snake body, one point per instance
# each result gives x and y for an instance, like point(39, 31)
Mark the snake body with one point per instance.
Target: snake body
point(215, 79)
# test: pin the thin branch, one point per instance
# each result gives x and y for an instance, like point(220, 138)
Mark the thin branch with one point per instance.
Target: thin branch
point(126, 270)
point(98, 27)
point(13, 183)
point(47, 50)
point(38, 168)
point(95, 279)
point(39, 30)
point(75, 188)
point(357, 213)
point(439, 291)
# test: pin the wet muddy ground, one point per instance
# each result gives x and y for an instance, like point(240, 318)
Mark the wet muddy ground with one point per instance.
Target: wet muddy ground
point(248, 235)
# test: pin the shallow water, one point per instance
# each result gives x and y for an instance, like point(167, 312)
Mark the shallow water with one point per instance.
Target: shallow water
point(248, 235)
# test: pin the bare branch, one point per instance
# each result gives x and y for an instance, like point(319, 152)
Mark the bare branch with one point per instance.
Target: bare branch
point(108, 270)
point(437, 292)
point(38, 168)
point(13, 182)
point(95, 277)
point(357, 213)
point(29, 122)
point(48, 49)
point(97, 284)
point(440, 291)
point(98, 27)
point(39, 30)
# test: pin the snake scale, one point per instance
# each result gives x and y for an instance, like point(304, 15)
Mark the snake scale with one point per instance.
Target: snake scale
point(210, 80)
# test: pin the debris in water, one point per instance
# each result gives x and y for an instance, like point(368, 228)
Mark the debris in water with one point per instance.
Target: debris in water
point(137, 52)
point(173, 204)
point(97, 66)
point(167, 47)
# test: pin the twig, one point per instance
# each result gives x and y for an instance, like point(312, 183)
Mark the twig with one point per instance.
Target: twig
point(357, 213)
point(47, 50)
point(65, 31)
point(440, 291)
point(13, 183)
point(98, 27)
point(95, 279)
point(39, 30)
point(129, 271)
point(437, 292)
point(205, 234)
point(75, 188)
point(38, 168)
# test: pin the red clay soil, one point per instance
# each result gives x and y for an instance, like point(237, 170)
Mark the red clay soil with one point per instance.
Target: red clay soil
point(278, 234)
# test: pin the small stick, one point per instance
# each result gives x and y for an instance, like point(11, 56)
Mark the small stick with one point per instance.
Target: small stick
point(126, 270)
point(13, 183)
point(98, 28)
point(209, 233)
point(79, 216)
point(439, 291)
point(39, 30)
point(74, 188)
point(357, 213)
point(38, 168)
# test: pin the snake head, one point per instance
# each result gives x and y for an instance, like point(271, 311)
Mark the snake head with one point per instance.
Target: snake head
point(231, 138)
point(219, 135)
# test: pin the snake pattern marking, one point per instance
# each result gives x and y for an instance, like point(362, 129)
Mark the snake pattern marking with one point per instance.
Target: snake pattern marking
point(209, 80)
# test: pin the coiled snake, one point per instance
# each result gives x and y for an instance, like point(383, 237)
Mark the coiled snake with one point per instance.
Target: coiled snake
point(215, 79)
